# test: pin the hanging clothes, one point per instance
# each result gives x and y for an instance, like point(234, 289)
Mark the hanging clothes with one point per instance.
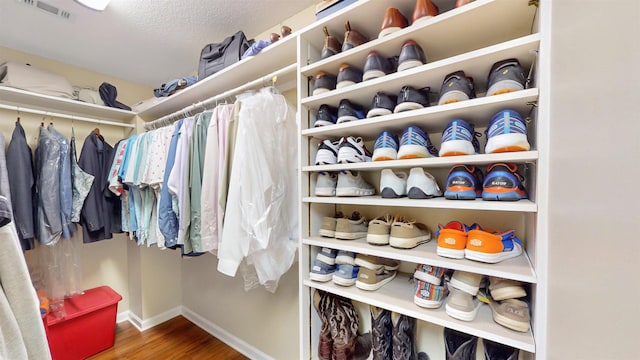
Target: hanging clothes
point(48, 218)
point(66, 191)
point(21, 184)
point(81, 181)
point(167, 218)
point(198, 151)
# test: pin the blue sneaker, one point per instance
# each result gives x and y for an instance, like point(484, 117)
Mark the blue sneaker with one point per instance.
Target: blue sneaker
point(415, 143)
point(385, 147)
point(324, 265)
point(346, 275)
point(503, 182)
point(507, 132)
point(327, 115)
point(464, 183)
point(459, 138)
point(348, 111)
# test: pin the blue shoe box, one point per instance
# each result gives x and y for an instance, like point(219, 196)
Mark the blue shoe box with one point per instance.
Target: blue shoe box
point(328, 7)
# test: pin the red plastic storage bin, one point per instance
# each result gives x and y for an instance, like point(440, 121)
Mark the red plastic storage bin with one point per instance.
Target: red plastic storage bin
point(89, 326)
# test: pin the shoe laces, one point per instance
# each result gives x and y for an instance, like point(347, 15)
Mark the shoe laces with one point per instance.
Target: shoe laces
point(513, 168)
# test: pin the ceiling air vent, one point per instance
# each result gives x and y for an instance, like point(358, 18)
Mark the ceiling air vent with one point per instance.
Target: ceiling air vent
point(44, 6)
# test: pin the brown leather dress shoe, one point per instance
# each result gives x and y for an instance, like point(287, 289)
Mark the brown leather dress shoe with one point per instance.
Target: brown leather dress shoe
point(352, 38)
point(331, 45)
point(424, 10)
point(462, 2)
point(392, 22)
point(285, 31)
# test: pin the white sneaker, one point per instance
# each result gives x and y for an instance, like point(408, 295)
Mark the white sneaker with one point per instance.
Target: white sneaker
point(422, 185)
point(352, 150)
point(327, 153)
point(351, 183)
point(326, 184)
point(393, 185)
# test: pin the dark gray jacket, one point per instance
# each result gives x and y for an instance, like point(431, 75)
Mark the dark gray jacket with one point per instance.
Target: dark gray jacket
point(20, 170)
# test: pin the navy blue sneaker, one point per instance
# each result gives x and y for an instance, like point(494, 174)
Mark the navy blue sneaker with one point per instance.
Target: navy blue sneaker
point(505, 76)
point(459, 138)
point(507, 132)
point(327, 115)
point(348, 111)
point(385, 147)
point(456, 87)
point(382, 104)
point(464, 183)
point(411, 55)
point(324, 265)
point(503, 182)
point(348, 75)
point(415, 143)
point(323, 83)
point(377, 66)
point(411, 98)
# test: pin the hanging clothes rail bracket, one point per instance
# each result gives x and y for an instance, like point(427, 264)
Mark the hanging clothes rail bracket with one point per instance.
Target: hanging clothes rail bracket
point(65, 116)
point(170, 118)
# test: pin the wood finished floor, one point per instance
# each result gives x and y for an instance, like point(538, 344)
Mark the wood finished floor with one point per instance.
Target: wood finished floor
point(176, 339)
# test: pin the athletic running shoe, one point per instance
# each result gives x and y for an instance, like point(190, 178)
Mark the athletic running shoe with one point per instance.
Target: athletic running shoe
point(385, 147)
point(327, 115)
point(507, 131)
point(415, 143)
point(327, 153)
point(491, 246)
point(351, 183)
point(323, 83)
point(503, 182)
point(464, 183)
point(422, 185)
point(348, 111)
point(352, 150)
point(326, 183)
point(393, 184)
point(456, 87)
point(459, 138)
point(505, 76)
point(382, 104)
point(348, 75)
point(411, 98)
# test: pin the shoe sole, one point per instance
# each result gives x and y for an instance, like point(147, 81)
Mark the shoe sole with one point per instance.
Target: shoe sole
point(452, 97)
point(320, 123)
point(417, 193)
point(320, 277)
point(325, 192)
point(509, 292)
point(460, 195)
point(345, 83)
point(450, 253)
point(412, 152)
point(377, 239)
point(462, 315)
point(346, 118)
point(389, 193)
point(456, 147)
point(503, 87)
point(388, 31)
point(410, 64)
point(367, 264)
point(382, 154)
point(378, 112)
point(375, 286)
point(493, 258)
point(342, 281)
point(463, 286)
point(345, 260)
point(348, 155)
point(429, 304)
point(510, 323)
point(508, 195)
point(507, 143)
point(354, 192)
point(327, 233)
point(373, 74)
point(408, 243)
point(407, 106)
point(320, 91)
point(350, 235)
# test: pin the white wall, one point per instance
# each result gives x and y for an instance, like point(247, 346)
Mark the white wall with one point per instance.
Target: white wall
point(593, 204)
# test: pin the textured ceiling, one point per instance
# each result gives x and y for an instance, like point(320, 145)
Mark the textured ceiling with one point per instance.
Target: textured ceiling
point(144, 41)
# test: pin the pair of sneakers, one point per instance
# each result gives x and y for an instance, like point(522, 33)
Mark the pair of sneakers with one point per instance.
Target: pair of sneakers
point(346, 111)
point(503, 182)
point(430, 287)
point(349, 149)
point(344, 228)
point(419, 184)
point(414, 143)
point(458, 241)
point(409, 98)
point(343, 183)
point(397, 232)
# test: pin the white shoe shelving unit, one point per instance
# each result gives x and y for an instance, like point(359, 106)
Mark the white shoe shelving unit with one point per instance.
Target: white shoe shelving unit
point(469, 38)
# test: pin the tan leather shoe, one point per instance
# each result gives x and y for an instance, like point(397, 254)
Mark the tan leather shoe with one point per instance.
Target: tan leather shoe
point(285, 31)
point(424, 10)
point(352, 38)
point(331, 45)
point(392, 22)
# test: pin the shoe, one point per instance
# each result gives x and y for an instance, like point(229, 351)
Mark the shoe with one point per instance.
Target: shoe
point(321, 302)
point(377, 66)
point(459, 345)
point(422, 185)
point(372, 280)
point(411, 98)
point(375, 262)
point(428, 295)
point(322, 271)
point(348, 75)
point(381, 333)
point(507, 132)
point(497, 351)
point(352, 38)
point(348, 111)
point(504, 183)
point(326, 183)
point(343, 324)
point(327, 115)
point(424, 10)
point(463, 2)
point(379, 229)
point(492, 247)
point(408, 234)
point(461, 305)
point(404, 337)
point(464, 183)
point(392, 22)
point(345, 257)
point(285, 31)
point(385, 147)
point(328, 226)
point(411, 55)
point(352, 150)
point(382, 104)
point(345, 275)
point(459, 138)
point(502, 289)
point(351, 183)
point(452, 240)
point(351, 228)
point(505, 76)
point(393, 185)
point(456, 87)
point(430, 274)
point(331, 46)
point(511, 313)
point(415, 143)
point(323, 83)
point(466, 281)
point(327, 153)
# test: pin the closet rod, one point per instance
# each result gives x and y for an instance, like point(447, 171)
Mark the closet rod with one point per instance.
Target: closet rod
point(66, 116)
point(166, 120)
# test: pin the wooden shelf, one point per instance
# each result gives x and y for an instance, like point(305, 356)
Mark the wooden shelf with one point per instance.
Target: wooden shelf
point(397, 296)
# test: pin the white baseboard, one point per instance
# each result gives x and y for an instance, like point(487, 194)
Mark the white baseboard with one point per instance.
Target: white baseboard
point(143, 325)
point(233, 341)
point(123, 316)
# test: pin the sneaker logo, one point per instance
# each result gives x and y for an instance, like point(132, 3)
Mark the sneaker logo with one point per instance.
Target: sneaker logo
point(505, 71)
point(514, 311)
point(475, 242)
point(450, 241)
point(499, 183)
point(364, 276)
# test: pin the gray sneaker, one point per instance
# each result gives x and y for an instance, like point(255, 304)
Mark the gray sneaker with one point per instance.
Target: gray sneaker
point(326, 184)
point(372, 280)
point(328, 226)
point(352, 228)
point(351, 183)
point(505, 76)
point(381, 333)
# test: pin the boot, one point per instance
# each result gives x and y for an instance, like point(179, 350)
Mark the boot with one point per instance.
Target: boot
point(381, 330)
point(424, 10)
point(404, 337)
point(459, 346)
point(352, 38)
point(497, 351)
point(331, 45)
point(343, 323)
point(321, 302)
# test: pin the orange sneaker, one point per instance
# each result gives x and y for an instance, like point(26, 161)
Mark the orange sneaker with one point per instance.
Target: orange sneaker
point(452, 240)
point(492, 246)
